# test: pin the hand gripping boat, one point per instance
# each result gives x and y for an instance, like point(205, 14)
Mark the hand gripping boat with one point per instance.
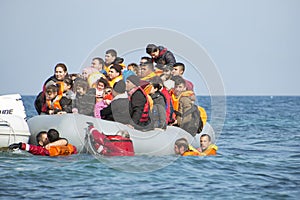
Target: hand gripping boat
point(13, 125)
point(74, 127)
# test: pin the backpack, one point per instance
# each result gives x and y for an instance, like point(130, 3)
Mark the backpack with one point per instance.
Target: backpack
point(158, 116)
point(199, 119)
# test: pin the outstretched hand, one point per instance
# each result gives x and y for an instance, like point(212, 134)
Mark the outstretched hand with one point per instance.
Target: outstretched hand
point(15, 146)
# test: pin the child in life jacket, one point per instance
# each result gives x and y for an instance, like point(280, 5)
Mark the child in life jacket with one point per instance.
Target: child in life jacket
point(110, 145)
point(53, 136)
point(56, 102)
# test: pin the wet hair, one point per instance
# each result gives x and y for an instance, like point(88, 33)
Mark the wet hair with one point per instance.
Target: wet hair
point(101, 61)
point(181, 65)
point(182, 142)
point(52, 135)
point(209, 138)
point(111, 52)
point(178, 80)
point(39, 136)
point(62, 65)
point(151, 48)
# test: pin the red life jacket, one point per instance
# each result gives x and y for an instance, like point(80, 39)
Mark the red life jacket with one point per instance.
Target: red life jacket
point(110, 145)
point(145, 114)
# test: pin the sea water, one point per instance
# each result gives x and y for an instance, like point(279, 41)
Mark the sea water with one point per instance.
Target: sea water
point(258, 158)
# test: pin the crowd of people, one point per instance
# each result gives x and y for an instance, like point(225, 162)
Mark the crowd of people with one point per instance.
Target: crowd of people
point(147, 95)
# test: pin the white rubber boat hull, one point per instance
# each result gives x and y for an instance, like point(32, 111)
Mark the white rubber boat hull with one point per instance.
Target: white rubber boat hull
point(73, 127)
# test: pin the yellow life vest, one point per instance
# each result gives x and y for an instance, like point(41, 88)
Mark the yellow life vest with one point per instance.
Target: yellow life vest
point(116, 79)
point(210, 151)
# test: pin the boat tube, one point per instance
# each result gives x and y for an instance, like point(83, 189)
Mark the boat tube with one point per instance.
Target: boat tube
point(74, 127)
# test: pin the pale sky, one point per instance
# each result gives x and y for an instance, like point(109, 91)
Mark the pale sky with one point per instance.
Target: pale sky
point(254, 44)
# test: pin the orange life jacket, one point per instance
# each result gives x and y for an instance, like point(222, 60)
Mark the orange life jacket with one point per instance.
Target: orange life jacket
point(210, 151)
point(175, 99)
point(62, 150)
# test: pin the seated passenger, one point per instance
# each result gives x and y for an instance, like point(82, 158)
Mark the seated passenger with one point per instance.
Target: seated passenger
point(68, 88)
point(178, 70)
point(104, 102)
point(114, 74)
point(56, 103)
point(118, 109)
point(85, 98)
point(101, 84)
point(139, 104)
point(158, 112)
point(110, 57)
point(61, 150)
point(60, 72)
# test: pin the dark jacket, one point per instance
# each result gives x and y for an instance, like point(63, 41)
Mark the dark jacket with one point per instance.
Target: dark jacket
point(118, 110)
point(165, 57)
point(137, 102)
point(85, 103)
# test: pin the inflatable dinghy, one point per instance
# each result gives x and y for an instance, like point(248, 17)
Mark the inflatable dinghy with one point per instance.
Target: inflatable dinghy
point(74, 127)
point(13, 125)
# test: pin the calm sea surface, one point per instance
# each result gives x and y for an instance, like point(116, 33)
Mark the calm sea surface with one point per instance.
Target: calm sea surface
point(259, 158)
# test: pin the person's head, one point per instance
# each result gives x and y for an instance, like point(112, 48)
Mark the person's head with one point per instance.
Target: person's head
point(68, 83)
point(178, 69)
point(101, 84)
point(181, 146)
point(205, 141)
point(180, 85)
point(118, 88)
point(81, 86)
point(52, 135)
point(42, 138)
point(157, 83)
point(146, 69)
point(98, 63)
point(133, 67)
point(51, 91)
point(145, 59)
point(152, 50)
point(132, 82)
point(167, 71)
point(87, 71)
point(60, 71)
point(114, 71)
point(110, 56)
